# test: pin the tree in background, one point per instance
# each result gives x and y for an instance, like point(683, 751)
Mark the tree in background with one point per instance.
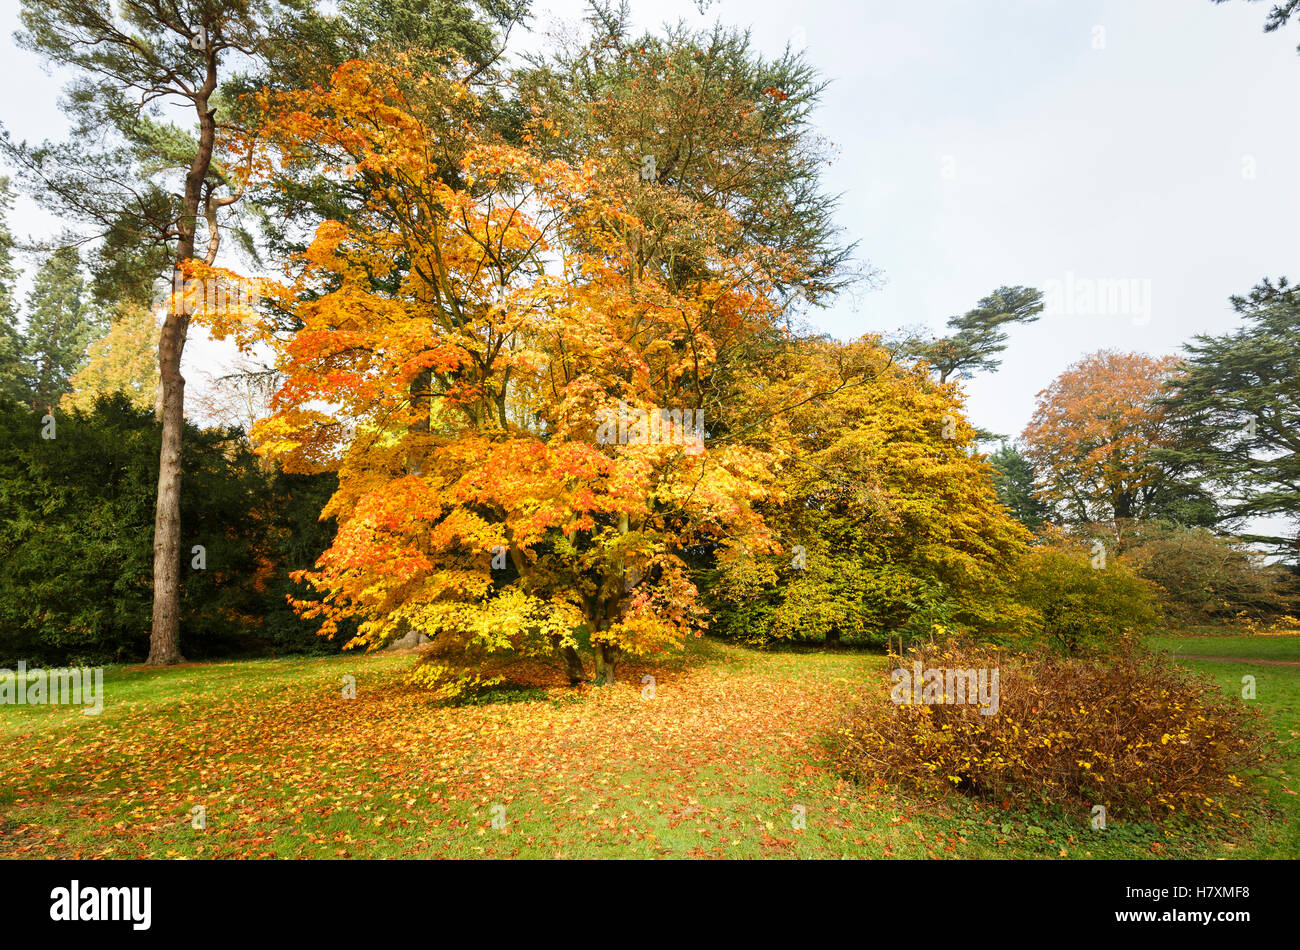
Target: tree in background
point(239, 396)
point(12, 385)
point(1013, 478)
point(703, 116)
point(1237, 406)
point(125, 361)
point(1098, 441)
point(152, 191)
point(980, 335)
point(1204, 578)
point(61, 320)
point(885, 521)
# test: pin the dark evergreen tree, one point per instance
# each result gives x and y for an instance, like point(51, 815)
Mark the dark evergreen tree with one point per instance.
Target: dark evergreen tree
point(1014, 480)
point(1238, 406)
point(61, 321)
point(76, 513)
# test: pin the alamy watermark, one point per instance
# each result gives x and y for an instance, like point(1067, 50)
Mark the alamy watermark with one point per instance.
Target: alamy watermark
point(629, 425)
point(1126, 297)
point(939, 686)
point(59, 687)
point(210, 295)
point(75, 902)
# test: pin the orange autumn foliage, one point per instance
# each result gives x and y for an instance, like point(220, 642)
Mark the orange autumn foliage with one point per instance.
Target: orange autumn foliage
point(1095, 436)
point(456, 348)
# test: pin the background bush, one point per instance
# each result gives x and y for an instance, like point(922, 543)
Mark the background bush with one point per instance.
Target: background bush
point(1076, 608)
point(1203, 578)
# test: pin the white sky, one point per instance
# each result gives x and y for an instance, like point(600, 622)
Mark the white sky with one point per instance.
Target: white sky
point(992, 142)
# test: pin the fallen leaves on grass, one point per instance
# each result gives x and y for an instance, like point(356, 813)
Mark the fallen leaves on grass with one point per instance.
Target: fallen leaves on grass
point(293, 769)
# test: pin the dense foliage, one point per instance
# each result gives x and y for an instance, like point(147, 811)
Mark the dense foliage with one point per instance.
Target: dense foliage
point(1081, 600)
point(885, 520)
point(76, 512)
point(1203, 577)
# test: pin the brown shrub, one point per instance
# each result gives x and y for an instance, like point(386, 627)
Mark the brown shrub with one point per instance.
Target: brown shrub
point(1130, 731)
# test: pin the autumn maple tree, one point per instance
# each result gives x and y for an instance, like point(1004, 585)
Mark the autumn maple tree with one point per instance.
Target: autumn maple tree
point(461, 350)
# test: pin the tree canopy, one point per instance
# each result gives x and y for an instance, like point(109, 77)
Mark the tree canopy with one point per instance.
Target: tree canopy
point(1237, 405)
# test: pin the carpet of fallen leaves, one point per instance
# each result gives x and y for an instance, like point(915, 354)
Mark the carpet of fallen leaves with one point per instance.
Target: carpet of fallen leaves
point(725, 759)
point(728, 759)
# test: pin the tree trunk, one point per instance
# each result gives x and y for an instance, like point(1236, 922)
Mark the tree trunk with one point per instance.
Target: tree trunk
point(164, 641)
point(418, 391)
point(606, 662)
point(607, 653)
point(421, 400)
point(572, 662)
point(833, 637)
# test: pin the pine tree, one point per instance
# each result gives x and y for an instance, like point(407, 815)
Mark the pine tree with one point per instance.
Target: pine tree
point(1238, 411)
point(11, 377)
point(979, 338)
point(61, 322)
point(150, 190)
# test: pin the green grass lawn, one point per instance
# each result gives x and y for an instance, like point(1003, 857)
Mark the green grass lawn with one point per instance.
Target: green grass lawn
point(1285, 648)
point(728, 759)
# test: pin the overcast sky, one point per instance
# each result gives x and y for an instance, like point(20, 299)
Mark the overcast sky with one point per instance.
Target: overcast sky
point(1054, 143)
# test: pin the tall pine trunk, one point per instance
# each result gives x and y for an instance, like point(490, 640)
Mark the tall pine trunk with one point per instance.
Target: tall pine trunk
point(164, 641)
point(165, 637)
